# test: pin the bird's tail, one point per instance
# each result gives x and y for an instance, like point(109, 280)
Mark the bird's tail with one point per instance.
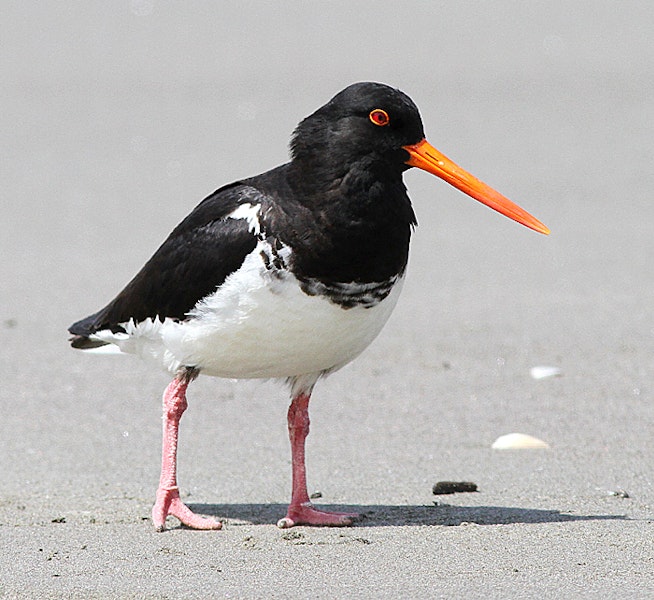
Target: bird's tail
point(82, 332)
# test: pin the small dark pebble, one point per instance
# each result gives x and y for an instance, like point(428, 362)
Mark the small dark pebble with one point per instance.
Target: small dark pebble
point(59, 520)
point(453, 487)
point(620, 494)
point(316, 495)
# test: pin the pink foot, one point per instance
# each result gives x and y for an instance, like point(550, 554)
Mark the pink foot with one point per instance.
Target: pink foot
point(306, 514)
point(169, 503)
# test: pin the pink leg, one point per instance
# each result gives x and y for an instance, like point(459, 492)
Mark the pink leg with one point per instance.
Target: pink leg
point(168, 501)
point(301, 511)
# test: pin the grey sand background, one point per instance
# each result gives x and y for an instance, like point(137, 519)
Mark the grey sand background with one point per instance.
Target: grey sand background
point(119, 117)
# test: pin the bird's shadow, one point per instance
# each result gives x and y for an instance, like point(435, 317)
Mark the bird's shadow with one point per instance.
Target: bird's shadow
point(400, 515)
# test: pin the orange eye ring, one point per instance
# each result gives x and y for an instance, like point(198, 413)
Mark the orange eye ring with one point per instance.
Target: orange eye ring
point(379, 117)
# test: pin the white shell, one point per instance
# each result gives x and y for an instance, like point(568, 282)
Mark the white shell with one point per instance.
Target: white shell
point(542, 372)
point(515, 441)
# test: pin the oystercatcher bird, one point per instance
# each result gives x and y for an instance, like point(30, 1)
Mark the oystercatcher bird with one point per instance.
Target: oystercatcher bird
point(286, 275)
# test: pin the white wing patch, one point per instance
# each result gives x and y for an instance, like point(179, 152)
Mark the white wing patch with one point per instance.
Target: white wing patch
point(249, 212)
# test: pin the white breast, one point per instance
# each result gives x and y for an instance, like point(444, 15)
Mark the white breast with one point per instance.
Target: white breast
point(259, 324)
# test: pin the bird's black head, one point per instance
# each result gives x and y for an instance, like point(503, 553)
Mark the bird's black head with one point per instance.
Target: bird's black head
point(365, 121)
point(366, 136)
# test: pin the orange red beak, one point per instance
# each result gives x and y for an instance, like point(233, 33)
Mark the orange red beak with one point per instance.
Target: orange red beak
point(424, 156)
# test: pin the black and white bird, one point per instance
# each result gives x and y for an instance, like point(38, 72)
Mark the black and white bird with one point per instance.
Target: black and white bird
point(287, 275)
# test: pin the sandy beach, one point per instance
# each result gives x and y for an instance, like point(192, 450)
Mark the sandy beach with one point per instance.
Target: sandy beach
point(118, 118)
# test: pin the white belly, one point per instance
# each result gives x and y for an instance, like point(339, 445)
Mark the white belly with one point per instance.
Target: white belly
point(259, 325)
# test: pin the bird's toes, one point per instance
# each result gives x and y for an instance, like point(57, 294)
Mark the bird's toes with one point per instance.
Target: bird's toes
point(306, 514)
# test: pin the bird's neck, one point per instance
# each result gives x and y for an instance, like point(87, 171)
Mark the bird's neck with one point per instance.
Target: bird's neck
point(359, 220)
point(321, 182)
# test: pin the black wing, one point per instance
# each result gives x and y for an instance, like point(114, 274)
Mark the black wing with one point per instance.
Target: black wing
point(194, 260)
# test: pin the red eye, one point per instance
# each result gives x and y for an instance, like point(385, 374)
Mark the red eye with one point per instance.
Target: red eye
point(379, 117)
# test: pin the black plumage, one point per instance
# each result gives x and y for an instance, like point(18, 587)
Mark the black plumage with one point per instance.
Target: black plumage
point(340, 205)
